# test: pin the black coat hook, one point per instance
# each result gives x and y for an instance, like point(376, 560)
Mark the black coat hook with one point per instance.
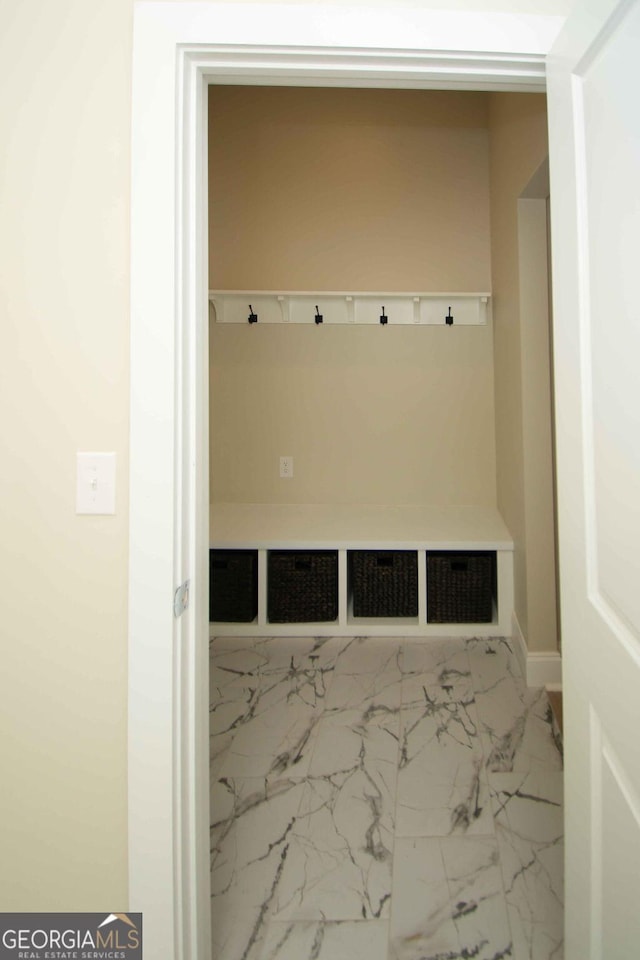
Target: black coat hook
point(253, 317)
point(383, 318)
point(449, 318)
point(318, 316)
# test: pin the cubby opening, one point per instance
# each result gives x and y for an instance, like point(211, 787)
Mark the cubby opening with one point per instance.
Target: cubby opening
point(461, 586)
point(302, 586)
point(233, 586)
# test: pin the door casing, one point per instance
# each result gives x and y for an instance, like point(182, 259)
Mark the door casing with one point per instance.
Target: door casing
point(179, 49)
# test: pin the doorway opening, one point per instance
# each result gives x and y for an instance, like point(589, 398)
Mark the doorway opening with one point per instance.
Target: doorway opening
point(255, 373)
point(358, 190)
point(168, 786)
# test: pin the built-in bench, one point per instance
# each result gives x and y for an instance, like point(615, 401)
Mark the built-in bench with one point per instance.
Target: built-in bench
point(346, 528)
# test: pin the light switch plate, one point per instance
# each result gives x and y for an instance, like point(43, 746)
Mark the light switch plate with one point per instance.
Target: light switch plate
point(96, 483)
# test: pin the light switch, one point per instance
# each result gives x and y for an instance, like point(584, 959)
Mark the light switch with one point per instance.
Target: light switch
point(96, 483)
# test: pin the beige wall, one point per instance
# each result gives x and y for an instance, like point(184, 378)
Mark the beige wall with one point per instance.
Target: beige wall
point(370, 415)
point(65, 108)
point(314, 189)
point(351, 190)
point(518, 128)
point(542, 628)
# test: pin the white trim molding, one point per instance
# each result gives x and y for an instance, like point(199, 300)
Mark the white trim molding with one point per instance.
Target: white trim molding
point(544, 669)
point(178, 49)
point(540, 668)
point(519, 643)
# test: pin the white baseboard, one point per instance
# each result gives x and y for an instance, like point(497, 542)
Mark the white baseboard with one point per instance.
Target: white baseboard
point(544, 670)
point(541, 669)
point(519, 643)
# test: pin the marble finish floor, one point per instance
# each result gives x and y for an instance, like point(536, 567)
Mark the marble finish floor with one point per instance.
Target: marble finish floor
point(382, 799)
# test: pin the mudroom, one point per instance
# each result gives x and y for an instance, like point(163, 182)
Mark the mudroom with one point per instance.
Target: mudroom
point(382, 524)
point(380, 390)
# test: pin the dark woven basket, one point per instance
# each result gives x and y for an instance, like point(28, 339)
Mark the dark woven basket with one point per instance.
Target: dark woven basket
point(460, 587)
point(302, 587)
point(384, 583)
point(233, 586)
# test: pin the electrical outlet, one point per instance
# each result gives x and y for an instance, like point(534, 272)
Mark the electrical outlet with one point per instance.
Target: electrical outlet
point(286, 468)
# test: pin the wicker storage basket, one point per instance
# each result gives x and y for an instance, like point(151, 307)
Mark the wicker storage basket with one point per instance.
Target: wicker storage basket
point(302, 587)
point(384, 583)
point(460, 587)
point(233, 585)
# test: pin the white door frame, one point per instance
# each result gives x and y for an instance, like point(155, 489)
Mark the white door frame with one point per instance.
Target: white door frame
point(179, 48)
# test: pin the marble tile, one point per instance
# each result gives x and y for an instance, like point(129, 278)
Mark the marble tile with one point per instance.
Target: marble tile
point(305, 682)
point(340, 863)
point(529, 828)
point(371, 694)
point(362, 655)
point(448, 900)
point(361, 722)
point(251, 833)
point(491, 659)
point(475, 887)
point(229, 705)
point(382, 799)
point(419, 688)
point(516, 721)
point(269, 744)
point(442, 786)
point(365, 704)
point(327, 940)
point(266, 727)
point(262, 656)
point(341, 746)
point(441, 663)
point(517, 729)
point(443, 803)
point(229, 663)
point(422, 924)
point(289, 753)
point(276, 650)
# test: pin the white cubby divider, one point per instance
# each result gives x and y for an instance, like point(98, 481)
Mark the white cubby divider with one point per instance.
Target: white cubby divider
point(262, 588)
point(362, 309)
point(345, 528)
point(343, 588)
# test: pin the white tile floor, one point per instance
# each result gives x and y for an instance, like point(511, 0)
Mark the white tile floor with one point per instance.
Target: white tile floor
point(382, 799)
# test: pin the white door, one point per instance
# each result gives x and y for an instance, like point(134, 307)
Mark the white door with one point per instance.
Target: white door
point(594, 129)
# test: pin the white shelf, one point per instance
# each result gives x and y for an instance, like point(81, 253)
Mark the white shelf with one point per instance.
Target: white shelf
point(343, 527)
point(359, 309)
point(356, 527)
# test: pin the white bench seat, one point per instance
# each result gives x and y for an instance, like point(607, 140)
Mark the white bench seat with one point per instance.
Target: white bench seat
point(345, 527)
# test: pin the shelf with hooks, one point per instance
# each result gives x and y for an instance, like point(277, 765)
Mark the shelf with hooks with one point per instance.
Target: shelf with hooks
point(427, 309)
